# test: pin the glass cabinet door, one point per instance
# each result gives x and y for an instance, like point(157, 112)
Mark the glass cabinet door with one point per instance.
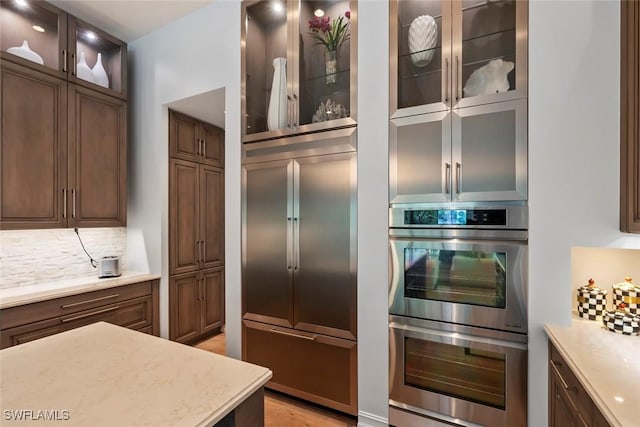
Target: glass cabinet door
point(298, 68)
point(324, 55)
point(489, 51)
point(420, 158)
point(489, 154)
point(267, 69)
point(34, 34)
point(420, 75)
point(98, 60)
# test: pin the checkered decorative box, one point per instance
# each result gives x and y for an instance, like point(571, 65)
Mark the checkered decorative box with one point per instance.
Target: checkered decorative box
point(622, 322)
point(627, 293)
point(592, 301)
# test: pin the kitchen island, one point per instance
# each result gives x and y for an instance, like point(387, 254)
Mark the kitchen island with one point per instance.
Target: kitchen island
point(106, 375)
point(606, 365)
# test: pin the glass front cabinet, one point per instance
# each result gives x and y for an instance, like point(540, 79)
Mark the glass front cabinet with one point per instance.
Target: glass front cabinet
point(298, 67)
point(456, 53)
point(42, 37)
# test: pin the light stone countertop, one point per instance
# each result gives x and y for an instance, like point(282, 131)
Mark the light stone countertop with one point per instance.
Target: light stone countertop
point(21, 295)
point(106, 375)
point(606, 364)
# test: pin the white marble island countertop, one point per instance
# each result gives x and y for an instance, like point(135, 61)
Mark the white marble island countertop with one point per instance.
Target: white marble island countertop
point(106, 375)
point(606, 364)
point(21, 295)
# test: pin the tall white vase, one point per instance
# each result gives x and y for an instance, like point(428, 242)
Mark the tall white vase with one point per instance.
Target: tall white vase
point(423, 36)
point(99, 74)
point(277, 113)
point(83, 71)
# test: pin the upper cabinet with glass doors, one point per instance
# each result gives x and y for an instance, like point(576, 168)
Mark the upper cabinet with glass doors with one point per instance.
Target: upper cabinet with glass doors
point(40, 36)
point(298, 67)
point(456, 53)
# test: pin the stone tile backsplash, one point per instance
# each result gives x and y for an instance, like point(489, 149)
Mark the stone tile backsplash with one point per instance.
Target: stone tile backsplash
point(28, 257)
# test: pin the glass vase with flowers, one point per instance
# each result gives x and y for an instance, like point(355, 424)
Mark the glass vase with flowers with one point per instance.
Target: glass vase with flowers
point(331, 35)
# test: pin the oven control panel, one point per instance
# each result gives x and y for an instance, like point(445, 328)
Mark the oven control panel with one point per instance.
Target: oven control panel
point(469, 217)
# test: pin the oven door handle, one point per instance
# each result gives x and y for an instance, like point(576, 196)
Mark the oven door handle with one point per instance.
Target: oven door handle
point(454, 338)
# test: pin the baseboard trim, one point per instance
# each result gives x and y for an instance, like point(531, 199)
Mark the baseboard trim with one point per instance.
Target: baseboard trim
point(370, 420)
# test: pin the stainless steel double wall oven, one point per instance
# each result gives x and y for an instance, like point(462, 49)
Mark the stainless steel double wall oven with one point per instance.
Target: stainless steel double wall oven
point(458, 314)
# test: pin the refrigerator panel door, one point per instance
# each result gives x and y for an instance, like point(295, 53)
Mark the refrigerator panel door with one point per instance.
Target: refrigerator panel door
point(324, 261)
point(267, 259)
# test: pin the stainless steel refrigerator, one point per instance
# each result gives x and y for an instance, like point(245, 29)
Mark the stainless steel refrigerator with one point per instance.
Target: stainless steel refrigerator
point(299, 264)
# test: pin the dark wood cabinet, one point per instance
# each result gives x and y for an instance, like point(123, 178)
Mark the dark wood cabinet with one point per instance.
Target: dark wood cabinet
point(97, 159)
point(196, 304)
point(194, 140)
point(630, 117)
point(134, 306)
point(569, 403)
point(63, 153)
point(196, 228)
point(33, 149)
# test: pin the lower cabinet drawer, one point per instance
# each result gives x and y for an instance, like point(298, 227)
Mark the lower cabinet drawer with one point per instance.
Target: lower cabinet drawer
point(136, 314)
point(314, 367)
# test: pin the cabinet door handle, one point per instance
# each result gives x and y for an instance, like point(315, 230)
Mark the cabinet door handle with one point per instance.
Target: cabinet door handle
point(458, 168)
point(204, 147)
point(456, 77)
point(289, 113)
point(202, 260)
point(557, 371)
point(296, 239)
point(289, 262)
point(295, 111)
point(64, 60)
point(93, 313)
point(64, 203)
point(197, 244)
point(447, 177)
point(446, 81)
point(291, 334)
point(75, 304)
point(73, 200)
point(75, 66)
point(202, 283)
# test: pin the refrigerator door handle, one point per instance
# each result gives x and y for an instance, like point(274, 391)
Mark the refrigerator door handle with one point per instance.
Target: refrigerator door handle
point(296, 228)
point(289, 237)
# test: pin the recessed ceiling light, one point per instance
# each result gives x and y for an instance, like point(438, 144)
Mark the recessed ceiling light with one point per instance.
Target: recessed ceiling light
point(91, 35)
point(21, 3)
point(38, 28)
point(278, 7)
point(619, 399)
point(319, 13)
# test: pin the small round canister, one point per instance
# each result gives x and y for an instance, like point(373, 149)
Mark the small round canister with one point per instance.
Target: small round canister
point(627, 293)
point(622, 322)
point(592, 301)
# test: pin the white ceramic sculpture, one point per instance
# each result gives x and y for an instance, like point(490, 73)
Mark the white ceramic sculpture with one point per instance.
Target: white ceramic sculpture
point(277, 113)
point(99, 74)
point(82, 69)
point(423, 36)
point(25, 52)
point(490, 78)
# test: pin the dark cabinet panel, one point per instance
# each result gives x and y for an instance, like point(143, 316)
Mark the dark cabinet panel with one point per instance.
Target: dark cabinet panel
point(318, 368)
point(97, 159)
point(183, 137)
point(212, 299)
point(184, 294)
point(183, 216)
point(212, 145)
point(211, 216)
point(33, 150)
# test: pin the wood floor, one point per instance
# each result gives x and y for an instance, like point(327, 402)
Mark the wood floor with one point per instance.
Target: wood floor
point(284, 411)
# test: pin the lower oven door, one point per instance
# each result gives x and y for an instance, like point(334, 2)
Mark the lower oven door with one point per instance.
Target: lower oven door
point(443, 371)
point(475, 278)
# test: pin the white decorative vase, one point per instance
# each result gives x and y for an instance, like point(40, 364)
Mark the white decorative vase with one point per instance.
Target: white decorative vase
point(277, 114)
point(423, 36)
point(99, 74)
point(490, 78)
point(83, 71)
point(25, 52)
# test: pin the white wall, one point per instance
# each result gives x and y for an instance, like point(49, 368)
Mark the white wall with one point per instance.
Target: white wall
point(573, 160)
point(196, 54)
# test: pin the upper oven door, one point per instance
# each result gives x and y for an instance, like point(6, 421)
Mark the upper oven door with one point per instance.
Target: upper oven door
point(460, 277)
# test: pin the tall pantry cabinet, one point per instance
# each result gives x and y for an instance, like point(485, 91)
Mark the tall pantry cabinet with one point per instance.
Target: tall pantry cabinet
point(64, 134)
point(299, 279)
point(196, 228)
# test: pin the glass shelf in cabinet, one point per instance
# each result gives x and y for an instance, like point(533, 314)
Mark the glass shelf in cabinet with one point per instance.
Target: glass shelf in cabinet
point(483, 37)
point(487, 3)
